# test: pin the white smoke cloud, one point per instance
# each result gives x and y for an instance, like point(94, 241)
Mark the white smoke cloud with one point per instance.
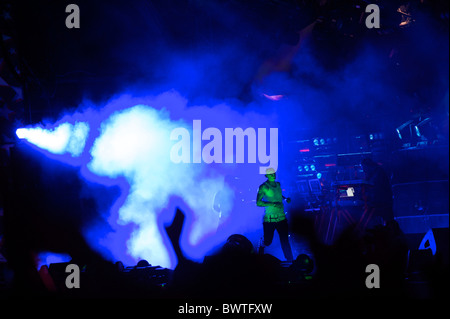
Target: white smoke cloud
point(135, 143)
point(127, 142)
point(64, 138)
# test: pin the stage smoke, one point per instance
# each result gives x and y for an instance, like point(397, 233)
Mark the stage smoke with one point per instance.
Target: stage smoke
point(65, 138)
point(127, 144)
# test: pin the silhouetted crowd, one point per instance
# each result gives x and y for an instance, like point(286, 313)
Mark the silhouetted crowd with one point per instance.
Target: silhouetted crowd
point(238, 271)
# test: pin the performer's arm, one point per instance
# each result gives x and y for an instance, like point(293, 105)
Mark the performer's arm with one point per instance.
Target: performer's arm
point(259, 197)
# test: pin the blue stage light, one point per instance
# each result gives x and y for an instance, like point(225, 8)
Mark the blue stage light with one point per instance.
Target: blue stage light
point(65, 138)
point(21, 133)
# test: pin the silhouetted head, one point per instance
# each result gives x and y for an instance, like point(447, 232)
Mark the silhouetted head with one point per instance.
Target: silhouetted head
point(142, 263)
point(238, 244)
point(119, 266)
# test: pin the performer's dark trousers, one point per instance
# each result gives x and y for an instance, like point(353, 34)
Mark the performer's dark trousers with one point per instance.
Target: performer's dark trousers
point(283, 232)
